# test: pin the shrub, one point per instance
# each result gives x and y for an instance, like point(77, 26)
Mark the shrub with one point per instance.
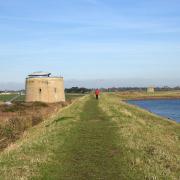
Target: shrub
point(40, 104)
point(7, 131)
point(14, 108)
point(36, 120)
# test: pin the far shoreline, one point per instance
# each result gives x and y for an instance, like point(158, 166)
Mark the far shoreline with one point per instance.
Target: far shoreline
point(151, 98)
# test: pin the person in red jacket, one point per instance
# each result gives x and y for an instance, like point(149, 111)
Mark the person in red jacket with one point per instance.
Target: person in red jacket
point(97, 92)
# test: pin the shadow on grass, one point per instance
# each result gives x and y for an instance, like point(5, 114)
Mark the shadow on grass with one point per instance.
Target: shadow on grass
point(59, 120)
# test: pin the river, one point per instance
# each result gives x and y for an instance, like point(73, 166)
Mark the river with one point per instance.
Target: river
point(169, 108)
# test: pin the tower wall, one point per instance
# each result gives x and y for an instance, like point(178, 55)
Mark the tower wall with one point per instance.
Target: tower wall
point(150, 90)
point(46, 89)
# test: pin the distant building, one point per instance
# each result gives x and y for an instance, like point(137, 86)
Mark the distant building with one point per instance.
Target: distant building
point(150, 90)
point(43, 87)
point(6, 93)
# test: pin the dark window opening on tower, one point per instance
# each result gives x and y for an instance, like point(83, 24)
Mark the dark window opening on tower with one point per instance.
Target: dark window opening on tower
point(40, 90)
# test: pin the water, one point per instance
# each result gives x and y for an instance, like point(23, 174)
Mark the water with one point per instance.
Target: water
point(166, 108)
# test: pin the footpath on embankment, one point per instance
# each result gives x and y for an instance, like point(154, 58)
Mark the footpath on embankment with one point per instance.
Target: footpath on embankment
point(90, 139)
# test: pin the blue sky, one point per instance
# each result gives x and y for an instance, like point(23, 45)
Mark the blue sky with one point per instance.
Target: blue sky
point(91, 39)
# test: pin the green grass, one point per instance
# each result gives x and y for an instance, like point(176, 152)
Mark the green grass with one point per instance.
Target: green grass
point(150, 144)
point(73, 96)
point(105, 139)
point(8, 97)
point(90, 148)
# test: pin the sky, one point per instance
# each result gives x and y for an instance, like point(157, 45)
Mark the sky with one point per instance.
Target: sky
point(95, 42)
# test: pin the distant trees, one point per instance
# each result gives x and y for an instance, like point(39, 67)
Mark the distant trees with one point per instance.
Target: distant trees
point(113, 89)
point(167, 88)
point(78, 90)
point(118, 89)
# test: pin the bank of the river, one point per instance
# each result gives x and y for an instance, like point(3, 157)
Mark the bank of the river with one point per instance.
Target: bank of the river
point(138, 97)
point(142, 95)
point(90, 139)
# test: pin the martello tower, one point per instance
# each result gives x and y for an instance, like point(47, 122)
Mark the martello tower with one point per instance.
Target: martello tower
point(43, 87)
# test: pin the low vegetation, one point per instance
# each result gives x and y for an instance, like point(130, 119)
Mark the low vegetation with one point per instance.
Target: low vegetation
point(90, 139)
point(73, 96)
point(18, 117)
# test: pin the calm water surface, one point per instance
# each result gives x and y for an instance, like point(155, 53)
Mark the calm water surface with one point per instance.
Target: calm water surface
point(166, 108)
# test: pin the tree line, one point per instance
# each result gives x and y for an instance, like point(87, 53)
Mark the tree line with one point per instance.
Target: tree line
point(115, 89)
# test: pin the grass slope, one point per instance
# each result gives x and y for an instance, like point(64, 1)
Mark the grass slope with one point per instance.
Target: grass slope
point(91, 139)
point(73, 96)
point(150, 144)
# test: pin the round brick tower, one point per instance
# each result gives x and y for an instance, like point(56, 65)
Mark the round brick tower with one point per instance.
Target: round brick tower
point(43, 87)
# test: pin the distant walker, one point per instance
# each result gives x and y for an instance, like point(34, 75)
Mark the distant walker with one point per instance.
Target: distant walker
point(97, 92)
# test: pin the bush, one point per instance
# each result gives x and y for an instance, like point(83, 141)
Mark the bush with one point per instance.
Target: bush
point(36, 120)
point(14, 108)
point(20, 123)
point(40, 104)
point(8, 132)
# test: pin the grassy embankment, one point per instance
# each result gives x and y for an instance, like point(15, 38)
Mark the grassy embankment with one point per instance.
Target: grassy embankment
point(18, 117)
point(73, 96)
point(96, 140)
